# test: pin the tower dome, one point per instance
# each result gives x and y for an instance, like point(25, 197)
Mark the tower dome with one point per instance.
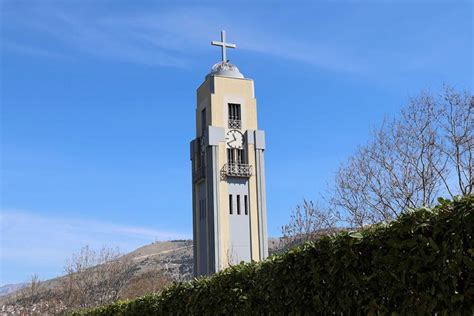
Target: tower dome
point(225, 69)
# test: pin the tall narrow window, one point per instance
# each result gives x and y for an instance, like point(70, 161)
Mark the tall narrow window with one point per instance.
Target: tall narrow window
point(234, 116)
point(246, 205)
point(235, 155)
point(240, 156)
point(203, 122)
point(230, 155)
point(230, 204)
point(238, 204)
point(234, 111)
point(199, 157)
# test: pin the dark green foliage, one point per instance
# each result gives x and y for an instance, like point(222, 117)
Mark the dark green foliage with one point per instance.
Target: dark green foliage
point(420, 264)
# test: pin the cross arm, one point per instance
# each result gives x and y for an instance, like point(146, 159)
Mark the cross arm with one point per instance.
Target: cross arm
point(217, 43)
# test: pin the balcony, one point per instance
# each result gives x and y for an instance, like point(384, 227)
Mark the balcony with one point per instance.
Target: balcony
point(237, 170)
point(235, 124)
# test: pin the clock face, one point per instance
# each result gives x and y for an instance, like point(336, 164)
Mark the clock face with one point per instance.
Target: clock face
point(235, 139)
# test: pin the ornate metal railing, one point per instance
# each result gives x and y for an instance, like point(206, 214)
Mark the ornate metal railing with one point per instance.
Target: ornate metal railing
point(235, 124)
point(199, 174)
point(237, 169)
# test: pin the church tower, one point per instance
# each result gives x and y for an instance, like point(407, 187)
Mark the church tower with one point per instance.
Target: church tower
point(228, 174)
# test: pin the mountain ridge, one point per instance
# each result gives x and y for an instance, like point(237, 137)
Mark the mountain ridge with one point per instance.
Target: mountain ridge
point(173, 258)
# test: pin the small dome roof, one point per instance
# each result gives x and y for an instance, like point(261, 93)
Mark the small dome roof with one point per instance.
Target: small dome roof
point(225, 69)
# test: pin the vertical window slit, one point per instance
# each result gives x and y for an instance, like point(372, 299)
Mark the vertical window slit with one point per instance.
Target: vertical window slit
point(203, 122)
point(238, 204)
point(246, 205)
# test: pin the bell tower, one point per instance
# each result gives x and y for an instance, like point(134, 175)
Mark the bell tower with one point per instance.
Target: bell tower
point(228, 174)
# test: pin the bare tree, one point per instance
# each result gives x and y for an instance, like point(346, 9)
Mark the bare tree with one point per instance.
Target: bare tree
point(31, 293)
point(307, 222)
point(456, 120)
point(92, 278)
point(95, 278)
point(410, 160)
point(426, 152)
point(36, 298)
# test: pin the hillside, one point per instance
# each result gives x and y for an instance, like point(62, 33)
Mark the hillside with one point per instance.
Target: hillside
point(173, 258)
point(11, 288)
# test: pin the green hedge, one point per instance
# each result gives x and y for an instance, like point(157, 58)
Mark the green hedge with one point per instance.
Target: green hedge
point(420, 264)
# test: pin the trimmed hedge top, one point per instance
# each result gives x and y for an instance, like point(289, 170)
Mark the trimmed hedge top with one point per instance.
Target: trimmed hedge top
point(420, 264)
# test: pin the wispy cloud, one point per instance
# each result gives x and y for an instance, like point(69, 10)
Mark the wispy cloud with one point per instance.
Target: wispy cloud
point(356, 39)
point(32, 50)
point(188, 30)
point(36, 242)
point(169, 37)
point(75, 33)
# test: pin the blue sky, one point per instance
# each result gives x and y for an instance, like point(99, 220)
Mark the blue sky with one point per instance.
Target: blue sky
point(89, 154)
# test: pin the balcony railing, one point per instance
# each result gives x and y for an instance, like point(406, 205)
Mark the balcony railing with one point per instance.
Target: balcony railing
point(235, 124)
point(237, 169)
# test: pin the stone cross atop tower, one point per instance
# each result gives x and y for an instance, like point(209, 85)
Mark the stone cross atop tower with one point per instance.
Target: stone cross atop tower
point(223, 46)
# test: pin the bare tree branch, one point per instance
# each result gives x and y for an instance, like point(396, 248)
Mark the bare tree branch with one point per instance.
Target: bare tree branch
point(307, 222)
point(410, 160)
